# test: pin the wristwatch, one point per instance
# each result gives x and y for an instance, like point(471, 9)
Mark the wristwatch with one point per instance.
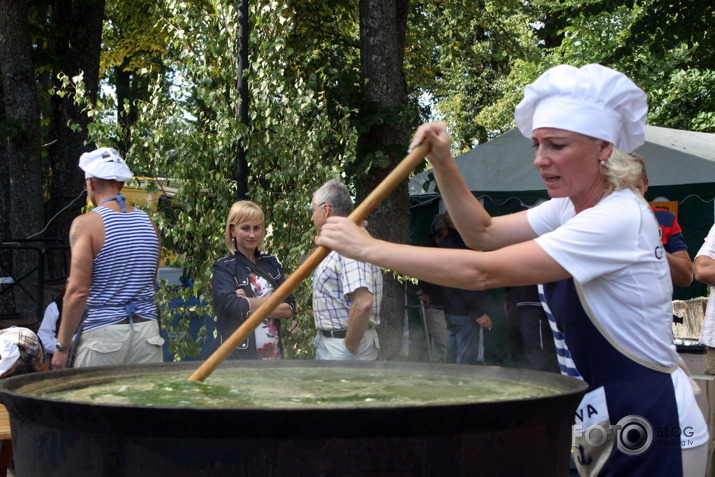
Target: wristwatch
point(59, 347)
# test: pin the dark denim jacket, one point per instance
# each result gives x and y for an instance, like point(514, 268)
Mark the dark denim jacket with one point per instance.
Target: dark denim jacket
point(229, 274)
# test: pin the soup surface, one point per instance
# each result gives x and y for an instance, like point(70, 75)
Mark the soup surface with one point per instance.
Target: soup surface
point(302, 388)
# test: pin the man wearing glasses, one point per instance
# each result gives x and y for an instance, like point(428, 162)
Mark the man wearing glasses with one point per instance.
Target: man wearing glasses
point(346, 293)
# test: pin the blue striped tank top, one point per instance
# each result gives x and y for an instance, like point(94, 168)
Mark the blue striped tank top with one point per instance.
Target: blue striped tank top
point(124, 270)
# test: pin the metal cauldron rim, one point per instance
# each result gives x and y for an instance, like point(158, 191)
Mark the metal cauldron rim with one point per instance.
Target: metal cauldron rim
point(515, 437)
point(20, 385)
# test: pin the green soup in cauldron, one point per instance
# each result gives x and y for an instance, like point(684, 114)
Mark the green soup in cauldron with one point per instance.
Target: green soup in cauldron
point(300, 388)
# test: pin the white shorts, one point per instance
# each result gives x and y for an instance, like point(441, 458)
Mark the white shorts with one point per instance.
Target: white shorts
point(120, 344)
point(334, 348)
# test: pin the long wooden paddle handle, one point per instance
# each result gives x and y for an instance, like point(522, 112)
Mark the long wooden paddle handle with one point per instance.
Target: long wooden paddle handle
point(400, 173)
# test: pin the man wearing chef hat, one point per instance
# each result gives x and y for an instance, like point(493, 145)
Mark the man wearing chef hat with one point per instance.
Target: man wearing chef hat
point(109, 301)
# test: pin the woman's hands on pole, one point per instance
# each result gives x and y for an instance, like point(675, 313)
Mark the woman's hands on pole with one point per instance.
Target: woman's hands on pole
point(438, 137)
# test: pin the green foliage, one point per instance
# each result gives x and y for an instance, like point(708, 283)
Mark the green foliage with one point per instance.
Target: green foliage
point(685, 98)
point(664, 47)
point(466, 63)
point(133, 29)
point(189, 130)
point(299, 137)
point(462, 50)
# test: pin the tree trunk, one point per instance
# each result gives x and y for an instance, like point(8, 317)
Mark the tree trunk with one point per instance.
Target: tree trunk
point(7, 300)
point(22, 178)
point(4, 170)
point(382, 40)
point(78, 51)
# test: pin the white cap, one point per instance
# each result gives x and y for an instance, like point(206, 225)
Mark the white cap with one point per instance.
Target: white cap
point(9, 353)
point(105, 163)
point(593, 100)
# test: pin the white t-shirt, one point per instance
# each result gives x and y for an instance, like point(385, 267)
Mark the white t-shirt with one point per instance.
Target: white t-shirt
point(47, 327)
point(614, 253)
point(266, 333)
point(707, 333)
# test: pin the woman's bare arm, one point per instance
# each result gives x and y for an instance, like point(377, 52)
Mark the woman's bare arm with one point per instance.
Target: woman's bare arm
point(524, 263)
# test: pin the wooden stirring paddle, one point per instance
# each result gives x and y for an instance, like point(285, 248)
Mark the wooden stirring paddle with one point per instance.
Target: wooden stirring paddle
point(398, 174)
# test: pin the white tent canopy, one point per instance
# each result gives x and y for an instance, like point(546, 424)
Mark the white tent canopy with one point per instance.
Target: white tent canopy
point(673, 157)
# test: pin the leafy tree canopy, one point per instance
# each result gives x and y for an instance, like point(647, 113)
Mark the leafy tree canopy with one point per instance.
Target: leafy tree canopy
point(466, 63)
point(665, 47)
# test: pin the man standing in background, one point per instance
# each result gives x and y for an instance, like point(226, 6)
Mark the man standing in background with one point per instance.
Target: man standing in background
point(346, 293)
point(432, 299)
point(705, 273)
point(671, 235)
point(109, 301)
point(465, 312)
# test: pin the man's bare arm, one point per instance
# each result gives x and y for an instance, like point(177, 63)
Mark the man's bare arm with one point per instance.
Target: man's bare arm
point(359, 320)
point(82, 246)
point(705, 270)
point(681, 268)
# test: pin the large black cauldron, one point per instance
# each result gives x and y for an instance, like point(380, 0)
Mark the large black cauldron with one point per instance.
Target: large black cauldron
point(509, 438)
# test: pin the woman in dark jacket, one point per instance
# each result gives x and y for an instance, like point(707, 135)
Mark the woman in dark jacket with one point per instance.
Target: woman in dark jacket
point(243, 280)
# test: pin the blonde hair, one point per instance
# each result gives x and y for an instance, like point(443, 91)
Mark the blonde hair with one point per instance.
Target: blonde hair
point(622, 171)
point(242, 211)
point(639, 159)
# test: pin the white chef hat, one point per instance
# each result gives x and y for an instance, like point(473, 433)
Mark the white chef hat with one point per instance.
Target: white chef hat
point(9, 352)
point(105, 163)
point(593, 100)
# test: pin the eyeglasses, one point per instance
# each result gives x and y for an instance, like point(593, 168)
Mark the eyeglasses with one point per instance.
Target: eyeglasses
point(311, 210)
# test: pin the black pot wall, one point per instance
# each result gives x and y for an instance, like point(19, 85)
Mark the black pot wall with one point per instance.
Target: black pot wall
point(507, 438)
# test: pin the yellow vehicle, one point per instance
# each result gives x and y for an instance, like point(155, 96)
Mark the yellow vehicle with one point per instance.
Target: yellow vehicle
point(147, 193)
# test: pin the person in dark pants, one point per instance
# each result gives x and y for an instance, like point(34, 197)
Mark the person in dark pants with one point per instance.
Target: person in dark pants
point(432, 297)
point(465, 312)
point(530, 339)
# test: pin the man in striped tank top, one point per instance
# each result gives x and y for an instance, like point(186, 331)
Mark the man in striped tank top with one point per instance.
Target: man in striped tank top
point(109, 303)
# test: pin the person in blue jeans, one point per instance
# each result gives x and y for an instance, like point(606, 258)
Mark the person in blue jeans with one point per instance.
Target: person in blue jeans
point(465, 312)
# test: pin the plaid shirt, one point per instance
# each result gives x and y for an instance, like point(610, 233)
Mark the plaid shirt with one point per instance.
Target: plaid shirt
point(32, 353)
point(334, 280)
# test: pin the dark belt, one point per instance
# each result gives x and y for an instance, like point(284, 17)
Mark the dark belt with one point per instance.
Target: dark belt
point(136, 319)
point(334, 333)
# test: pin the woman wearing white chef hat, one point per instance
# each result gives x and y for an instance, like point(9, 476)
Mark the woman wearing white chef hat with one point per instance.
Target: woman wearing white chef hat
point(595, 247)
